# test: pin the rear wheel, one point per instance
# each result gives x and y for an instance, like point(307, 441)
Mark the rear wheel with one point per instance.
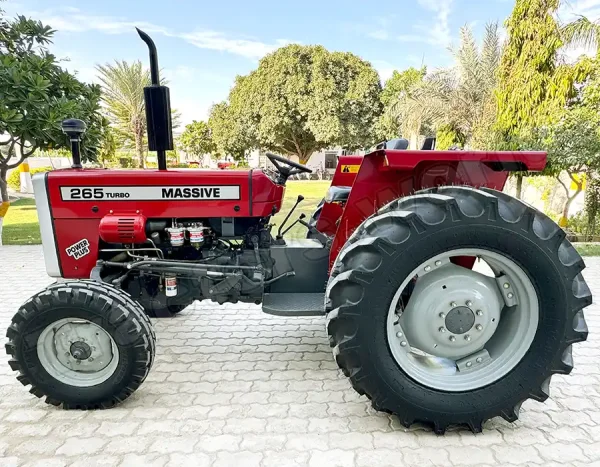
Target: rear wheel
point(82, 345)
point(435, 342)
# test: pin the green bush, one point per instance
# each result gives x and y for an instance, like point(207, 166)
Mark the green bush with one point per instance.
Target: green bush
point(579, 224)
point(127, 162)
point(14, 179)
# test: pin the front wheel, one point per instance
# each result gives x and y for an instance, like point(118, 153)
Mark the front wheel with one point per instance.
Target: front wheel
point(82, 345)
point(434, 340)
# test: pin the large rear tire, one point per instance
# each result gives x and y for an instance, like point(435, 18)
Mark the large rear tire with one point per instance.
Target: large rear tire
point(81, 344)
point(404, 319)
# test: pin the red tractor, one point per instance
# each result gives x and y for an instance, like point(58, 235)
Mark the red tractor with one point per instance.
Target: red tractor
point(447, 301)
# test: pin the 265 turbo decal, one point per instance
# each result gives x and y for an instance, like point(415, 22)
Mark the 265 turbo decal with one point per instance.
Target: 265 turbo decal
point(150, 193)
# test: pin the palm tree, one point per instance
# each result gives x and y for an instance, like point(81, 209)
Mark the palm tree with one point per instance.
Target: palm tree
point(582, 32)
point(461, 97)
point(123, 93)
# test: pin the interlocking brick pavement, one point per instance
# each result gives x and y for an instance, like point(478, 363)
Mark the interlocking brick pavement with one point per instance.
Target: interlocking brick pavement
point(234, 387)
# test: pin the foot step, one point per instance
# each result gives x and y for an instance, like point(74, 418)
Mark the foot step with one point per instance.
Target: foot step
point(294, 304)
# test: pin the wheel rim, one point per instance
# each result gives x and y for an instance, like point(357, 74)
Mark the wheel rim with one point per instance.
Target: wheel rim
point(77, 352)
point(457, 329)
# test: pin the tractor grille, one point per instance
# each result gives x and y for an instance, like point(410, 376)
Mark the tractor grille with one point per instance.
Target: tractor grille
point(126, 229)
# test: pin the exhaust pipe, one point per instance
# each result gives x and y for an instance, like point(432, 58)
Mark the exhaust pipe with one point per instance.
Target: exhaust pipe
point(158, 108)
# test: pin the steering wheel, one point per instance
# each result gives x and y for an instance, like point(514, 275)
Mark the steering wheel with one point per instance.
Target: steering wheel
point(286, 167)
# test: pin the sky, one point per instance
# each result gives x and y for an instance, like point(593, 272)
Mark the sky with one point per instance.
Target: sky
point(203, 45)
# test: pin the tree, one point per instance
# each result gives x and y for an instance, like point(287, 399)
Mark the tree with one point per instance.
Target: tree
point(36, 95)
point(123, 93)
point(107, 151)
point(196, 139)
point(231, 134)
point(582, 32)
point(532, 90)
point(574, 147)
point(402, 114)
point(460, 100)
point(302, 99)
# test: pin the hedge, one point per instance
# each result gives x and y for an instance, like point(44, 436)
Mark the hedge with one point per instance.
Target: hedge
point(14, 179)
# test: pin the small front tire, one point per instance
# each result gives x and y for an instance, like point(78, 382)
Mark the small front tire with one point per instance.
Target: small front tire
point(81, 344)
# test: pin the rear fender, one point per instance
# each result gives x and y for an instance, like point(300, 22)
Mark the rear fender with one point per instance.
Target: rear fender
point(386, 175)
point(345, 173)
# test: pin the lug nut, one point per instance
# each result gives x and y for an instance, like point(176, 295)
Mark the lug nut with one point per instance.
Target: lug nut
point(510, 295)
point(467, 338)
point(506, 285)
point(438, 263)
point(479, 327)
point(442, 315)
point(442, 329)
point(91, 359)
point(398, 334)
point(469, 364)
point(452, 338)
point(479, 313)
point(403, 343)
point(427, 268)
point(469, 303)
point(479, 359)
point(453, 304)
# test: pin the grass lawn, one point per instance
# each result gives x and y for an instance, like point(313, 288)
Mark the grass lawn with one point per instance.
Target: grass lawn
point(589, 249)
point(21, 222)
point(313, 192)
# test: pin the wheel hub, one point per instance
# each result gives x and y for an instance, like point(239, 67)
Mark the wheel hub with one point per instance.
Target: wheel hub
point(460, 320)
point(80, 350)
point(462, 328)
point(452, 312)
point(77, 352)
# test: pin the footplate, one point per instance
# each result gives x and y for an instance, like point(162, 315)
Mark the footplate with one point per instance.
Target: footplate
point(294, 304)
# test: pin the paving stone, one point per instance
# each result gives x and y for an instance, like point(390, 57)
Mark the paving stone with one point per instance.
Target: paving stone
point(232, 386)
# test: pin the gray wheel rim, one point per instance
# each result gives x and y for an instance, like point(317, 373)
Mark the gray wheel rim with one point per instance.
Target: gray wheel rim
point(77, 352)
point(463, 329)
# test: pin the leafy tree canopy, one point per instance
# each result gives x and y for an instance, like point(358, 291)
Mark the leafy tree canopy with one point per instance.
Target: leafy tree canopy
point(401, 115)
point(531, 87)
point(230, 134)
point(37, 94)
point(196, 139)
point(304, 98)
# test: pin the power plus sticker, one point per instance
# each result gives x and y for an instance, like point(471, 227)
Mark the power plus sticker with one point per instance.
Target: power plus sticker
point(79, 249)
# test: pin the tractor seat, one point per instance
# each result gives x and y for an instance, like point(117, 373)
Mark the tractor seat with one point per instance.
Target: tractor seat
point(398, 143)
point(338, 194)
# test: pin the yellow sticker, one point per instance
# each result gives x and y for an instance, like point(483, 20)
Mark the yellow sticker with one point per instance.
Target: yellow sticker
point(350, 169)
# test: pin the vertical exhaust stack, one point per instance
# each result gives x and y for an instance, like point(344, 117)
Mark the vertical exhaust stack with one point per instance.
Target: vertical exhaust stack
point(158, 108)
point(74, 129)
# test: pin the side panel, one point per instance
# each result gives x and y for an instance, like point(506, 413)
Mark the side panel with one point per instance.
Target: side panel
point(308, 259)
point(77, 241)
point(388, 175)
point(94, 193)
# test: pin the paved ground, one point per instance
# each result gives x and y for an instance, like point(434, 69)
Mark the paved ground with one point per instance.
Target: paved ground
point(232, 386)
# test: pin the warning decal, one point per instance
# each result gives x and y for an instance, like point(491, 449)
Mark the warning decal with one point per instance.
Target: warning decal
point(350, 169)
